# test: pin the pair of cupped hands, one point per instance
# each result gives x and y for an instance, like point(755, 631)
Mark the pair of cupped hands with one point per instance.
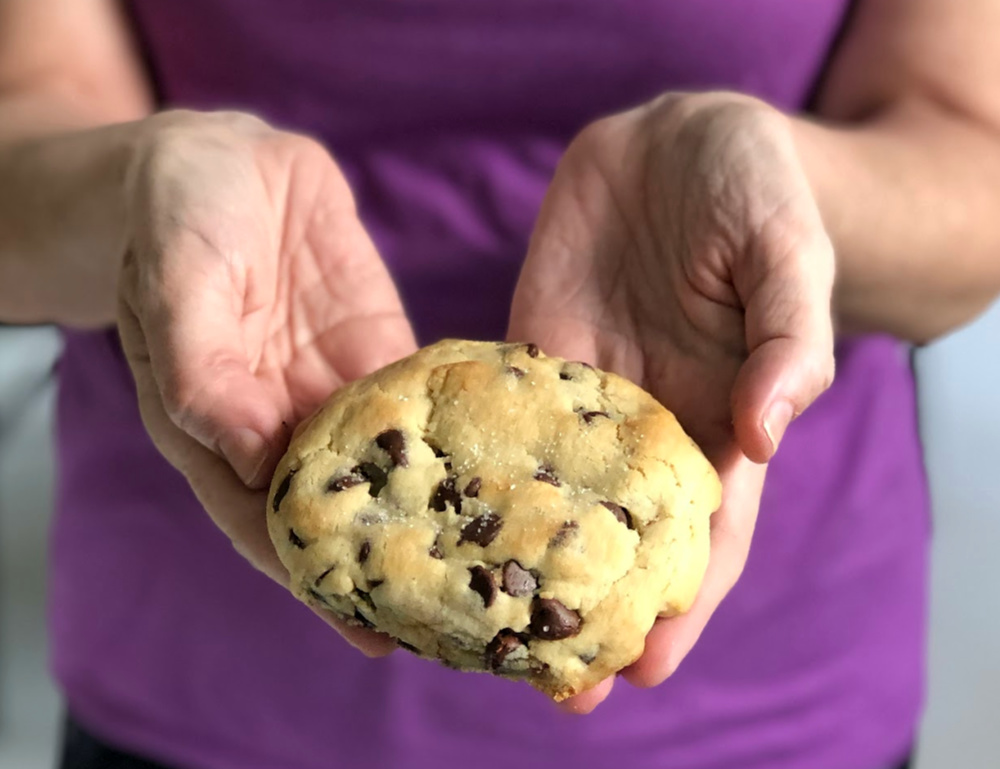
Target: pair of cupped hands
point(679, 245)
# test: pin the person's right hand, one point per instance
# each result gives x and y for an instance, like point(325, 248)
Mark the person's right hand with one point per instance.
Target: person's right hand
point(249, 291)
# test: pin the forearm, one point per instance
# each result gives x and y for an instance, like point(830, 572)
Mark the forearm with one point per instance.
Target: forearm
point(911, 203)
point(62, 209)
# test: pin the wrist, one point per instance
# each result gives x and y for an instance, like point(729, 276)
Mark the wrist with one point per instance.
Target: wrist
point(62, 219)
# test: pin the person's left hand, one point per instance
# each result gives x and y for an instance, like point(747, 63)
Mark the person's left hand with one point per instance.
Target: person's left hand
point(681, 247)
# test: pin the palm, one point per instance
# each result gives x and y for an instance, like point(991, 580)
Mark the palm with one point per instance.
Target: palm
point(316, 305)
point(646, 260)
point(604, 282)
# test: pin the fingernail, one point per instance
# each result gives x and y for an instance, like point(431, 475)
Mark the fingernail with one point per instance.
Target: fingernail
point(246, 451)
point(776, 420)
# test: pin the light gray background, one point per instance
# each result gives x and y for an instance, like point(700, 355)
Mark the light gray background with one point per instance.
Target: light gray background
point(960, 392)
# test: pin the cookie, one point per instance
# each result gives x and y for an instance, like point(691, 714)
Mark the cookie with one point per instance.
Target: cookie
point(497, 510)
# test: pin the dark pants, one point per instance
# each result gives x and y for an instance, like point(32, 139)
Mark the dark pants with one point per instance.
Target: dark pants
point(82, 750)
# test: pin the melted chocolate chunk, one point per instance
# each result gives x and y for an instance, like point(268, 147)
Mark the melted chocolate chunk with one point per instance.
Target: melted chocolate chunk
point(551, 621)
point(364, 551)
point(503, 644)
point(567, 530)
point(518, 581)
point(565, 376)
point(619, 512)
point(518, 372)
point(393, 443)
point(408, 647)
point(375, 475)
point(372, 584)
point(372, 517)
point(482, 530)
point(296, 540)
point(282, 491)
point(437, 451)
point(355, 478)
point(590, 416)
point(473, 487)
point(322, 576)
point(445, 494)
point(532, 349)
point(546, 474)
point(481, 580)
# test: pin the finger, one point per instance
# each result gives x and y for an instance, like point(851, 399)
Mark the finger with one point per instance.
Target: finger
point(237, 511)
point(790, 340)
point(188, 310)
point(585, 702)
point(670, 639)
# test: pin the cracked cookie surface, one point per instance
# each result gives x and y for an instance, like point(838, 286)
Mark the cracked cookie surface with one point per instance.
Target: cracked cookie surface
point(498, 510)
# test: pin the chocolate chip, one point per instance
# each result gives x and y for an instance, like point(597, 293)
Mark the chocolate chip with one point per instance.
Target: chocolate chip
point(445, 494)
point(619, 512)
point(296, 540)
point(317, 596)
point(437, 451)
point(518, 372)
point(393, 443)
point(565, 377)
point(361, 618)
point(551, 621)
point(590, 416)
point(503, 645)
point(364, 551)
point(481, 580)
point(585, 365)
point(482, 530)
point(322, 576)
point(587, 657)
point(355, 478)
point(282, 491)
point(372, 584)
point(518, 581)
point(435, 552)
point(375, 475)
point(546, 474)
point(366, 599)
point(473, 487)
point(567, 530)
point(532, 349)
point(408, 647)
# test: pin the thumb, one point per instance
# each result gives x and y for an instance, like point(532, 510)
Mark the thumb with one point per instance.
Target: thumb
point(189, 331)
point(789, 333)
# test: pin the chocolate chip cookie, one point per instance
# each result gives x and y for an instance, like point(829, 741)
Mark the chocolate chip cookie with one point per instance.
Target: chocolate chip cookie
point(497, 510)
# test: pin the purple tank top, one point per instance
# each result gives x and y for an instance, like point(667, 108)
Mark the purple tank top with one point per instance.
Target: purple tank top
point(448, 117)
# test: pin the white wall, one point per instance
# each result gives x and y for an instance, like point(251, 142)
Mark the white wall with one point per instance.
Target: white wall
point(960, 407)
point(29, 707)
